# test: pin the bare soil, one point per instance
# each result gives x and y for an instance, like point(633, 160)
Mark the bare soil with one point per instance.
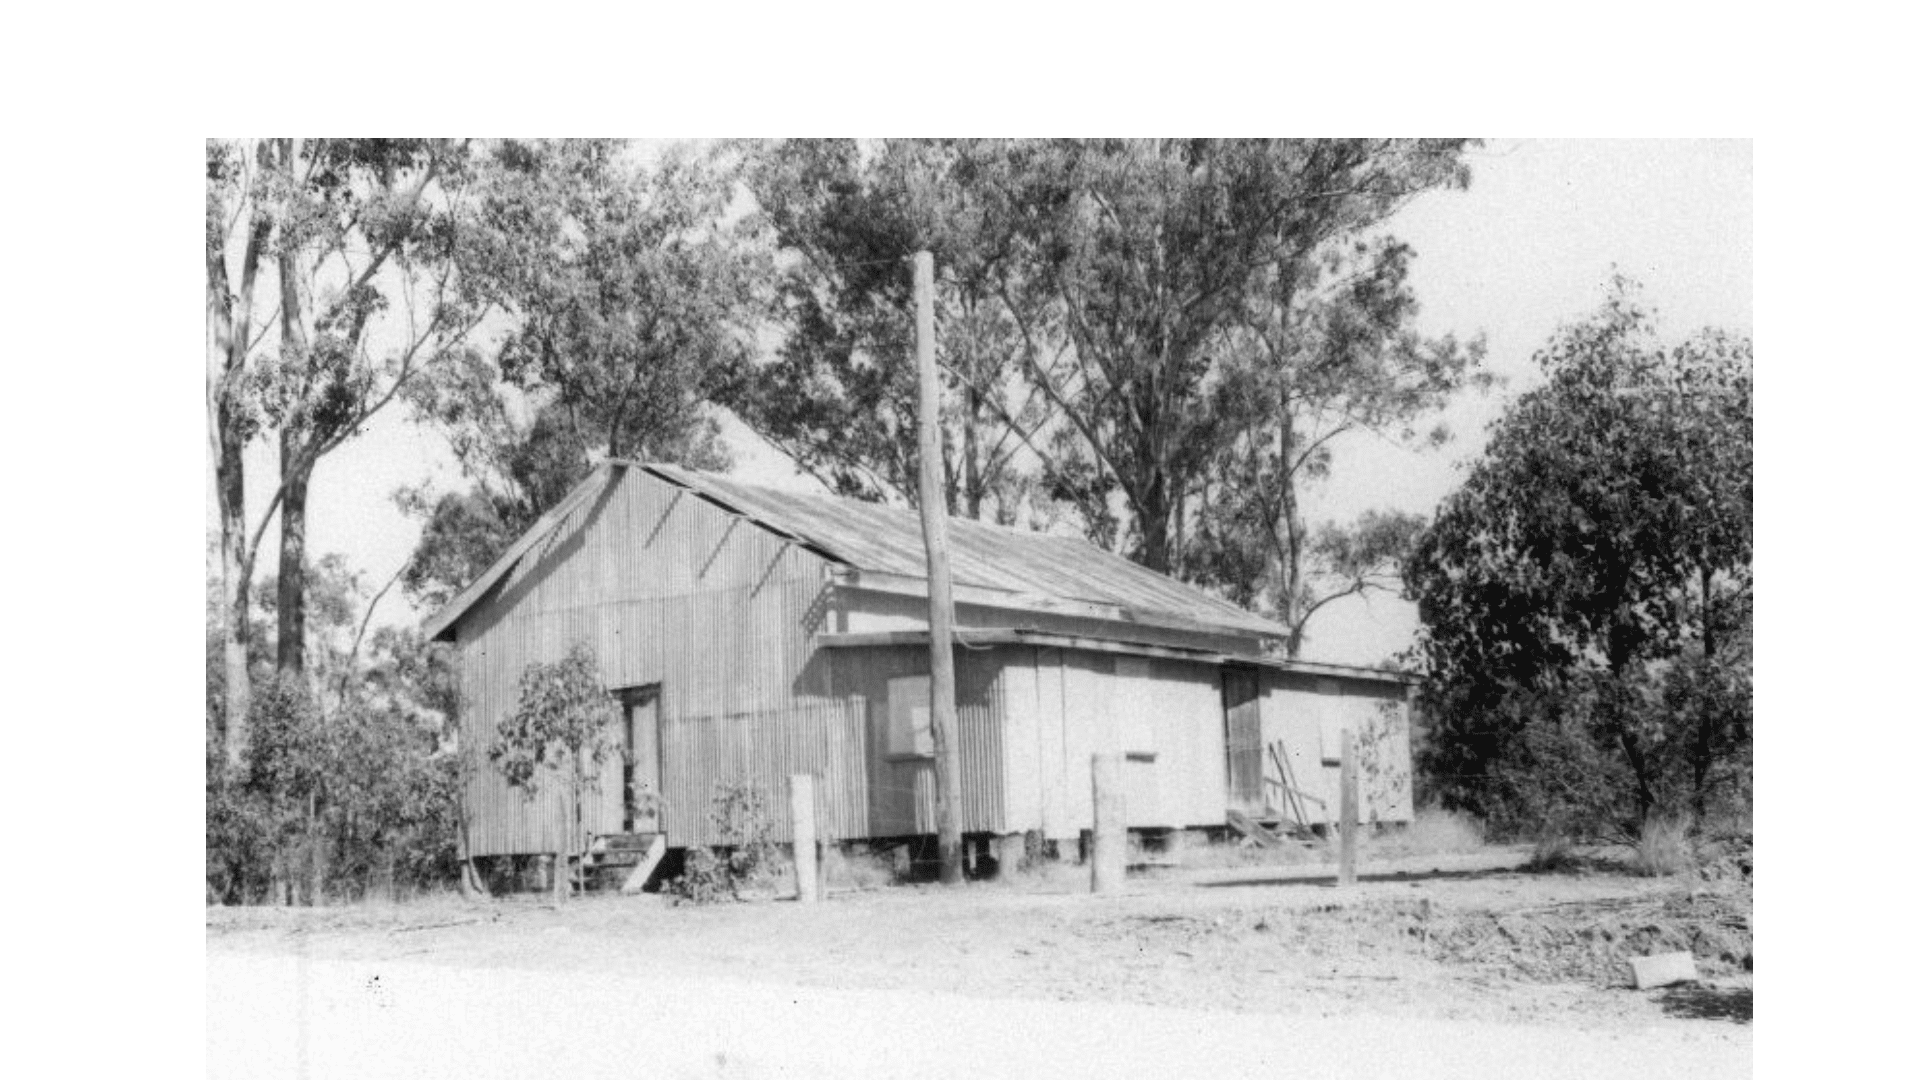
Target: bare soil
point(1450, 937)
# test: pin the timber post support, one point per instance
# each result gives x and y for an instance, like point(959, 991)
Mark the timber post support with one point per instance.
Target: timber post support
point(1109, 825)
point(1349, 809)
point(806, 849)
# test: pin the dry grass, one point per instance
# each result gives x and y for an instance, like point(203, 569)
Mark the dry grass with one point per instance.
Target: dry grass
point(1551, 853)
point(1431, 832)
point(1665, 847)
point(843, 870)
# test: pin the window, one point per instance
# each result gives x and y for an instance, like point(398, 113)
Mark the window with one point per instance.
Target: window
point(910, 716)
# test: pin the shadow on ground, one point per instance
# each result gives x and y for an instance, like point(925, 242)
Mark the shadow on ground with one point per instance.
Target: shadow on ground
point(1327, 881)
point(1709, 1003)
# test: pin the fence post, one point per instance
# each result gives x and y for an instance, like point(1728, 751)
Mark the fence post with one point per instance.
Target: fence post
point(1349, 808)
point(1109, 828)
point(806, 849)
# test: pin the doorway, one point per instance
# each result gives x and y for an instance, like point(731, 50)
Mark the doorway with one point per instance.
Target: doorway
point(640, 802)
point(1240, 701)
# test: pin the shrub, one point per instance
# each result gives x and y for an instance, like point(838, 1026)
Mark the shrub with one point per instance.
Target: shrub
point(746, 858)
point(707, 879)
point(362, 800)
point(1665, 847)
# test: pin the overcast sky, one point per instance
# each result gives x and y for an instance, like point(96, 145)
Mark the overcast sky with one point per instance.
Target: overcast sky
point(1529, 246)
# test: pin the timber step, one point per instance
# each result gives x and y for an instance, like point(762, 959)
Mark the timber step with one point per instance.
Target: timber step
point(624, 862)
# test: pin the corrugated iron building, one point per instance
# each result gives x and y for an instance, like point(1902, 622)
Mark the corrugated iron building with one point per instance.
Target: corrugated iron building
point(751, 634)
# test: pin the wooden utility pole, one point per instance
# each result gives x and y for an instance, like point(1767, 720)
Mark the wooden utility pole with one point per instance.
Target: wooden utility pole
point(933, 523)
point(806, 852)
point(1109, 826)
point(1349, 809)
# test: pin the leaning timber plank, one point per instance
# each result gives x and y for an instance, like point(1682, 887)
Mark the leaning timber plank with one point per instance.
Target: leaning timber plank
point(1251, 829)
point(637, 880)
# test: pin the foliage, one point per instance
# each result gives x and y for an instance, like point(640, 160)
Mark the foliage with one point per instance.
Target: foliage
point(1383, 777)
point(348, 255)
point(561, 725)
point(632, 298)
point(1163, 338)
point(706, 879)
point(629, 306)
point(745, 858)
point(840, 397)
point(1585, 597)
point(1200, 283)
point(356, 801)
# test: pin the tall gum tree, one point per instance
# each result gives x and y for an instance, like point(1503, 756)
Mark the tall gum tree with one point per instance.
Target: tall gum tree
point(628, 300)
point(838, 395)
point(348, 289)
point(1325, 350)
point(1159, 255)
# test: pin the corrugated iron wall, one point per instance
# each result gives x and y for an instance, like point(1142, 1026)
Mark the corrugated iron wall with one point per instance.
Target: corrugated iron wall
point(826, 739)
point(668, 589)
point(902, 789)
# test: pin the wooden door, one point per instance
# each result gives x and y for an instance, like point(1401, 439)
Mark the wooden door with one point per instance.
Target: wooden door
point(641, 804)
point(1240, 700)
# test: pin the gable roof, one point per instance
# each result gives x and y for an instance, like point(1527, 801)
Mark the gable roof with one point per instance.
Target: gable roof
point(997, 565)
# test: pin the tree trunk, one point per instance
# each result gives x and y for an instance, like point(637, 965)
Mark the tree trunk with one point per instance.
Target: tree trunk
point(295, 468)
point(291, 657)
point(1291, 583)
point(1154, 514)
point(235, 592)
point(1708, 732)
point(229, 320)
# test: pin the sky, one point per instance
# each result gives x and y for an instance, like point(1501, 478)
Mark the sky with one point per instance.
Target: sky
point(1530, 245)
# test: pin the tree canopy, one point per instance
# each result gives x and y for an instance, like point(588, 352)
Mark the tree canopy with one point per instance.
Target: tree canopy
point(629, 303)
point(1585, 596)
point(1162, 339)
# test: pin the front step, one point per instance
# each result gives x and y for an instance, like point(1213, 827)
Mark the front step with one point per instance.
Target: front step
point(624, 861)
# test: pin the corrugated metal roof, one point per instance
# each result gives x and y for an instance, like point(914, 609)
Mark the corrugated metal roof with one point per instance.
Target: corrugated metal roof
point(887, 540)
point(873, 538)
point(1015, 636)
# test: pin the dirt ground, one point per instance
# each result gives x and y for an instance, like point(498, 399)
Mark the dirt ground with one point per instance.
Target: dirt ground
point(1452, 938)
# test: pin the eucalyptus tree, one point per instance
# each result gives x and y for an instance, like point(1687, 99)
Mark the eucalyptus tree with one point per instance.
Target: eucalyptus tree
point(1325, 350)
point(629, 300)
point(347, 288)
point(1194, 280)
point(838, 395)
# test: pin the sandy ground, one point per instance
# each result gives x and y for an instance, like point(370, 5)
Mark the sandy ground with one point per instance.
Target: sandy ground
point(1421, 970)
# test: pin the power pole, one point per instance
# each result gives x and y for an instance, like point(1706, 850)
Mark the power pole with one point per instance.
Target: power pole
point(933, 524)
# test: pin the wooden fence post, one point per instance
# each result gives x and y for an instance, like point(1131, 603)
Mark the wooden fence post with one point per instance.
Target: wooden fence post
point(1109, 826)
point(806, 849)
point(1349, 808)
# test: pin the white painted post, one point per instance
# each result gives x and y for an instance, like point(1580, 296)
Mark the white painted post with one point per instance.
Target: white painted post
point(1109, 826)
point(806, 849)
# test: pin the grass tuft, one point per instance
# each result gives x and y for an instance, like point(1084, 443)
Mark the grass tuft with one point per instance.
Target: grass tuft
point(1665, 847)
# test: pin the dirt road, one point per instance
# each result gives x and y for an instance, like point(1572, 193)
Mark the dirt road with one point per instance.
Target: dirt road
point(1422, 970)
point(273, 1016)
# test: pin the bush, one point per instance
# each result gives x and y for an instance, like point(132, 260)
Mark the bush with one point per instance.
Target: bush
point(1665, 847)
point(362, 801)
point(1551, 853)
point(747, 858)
